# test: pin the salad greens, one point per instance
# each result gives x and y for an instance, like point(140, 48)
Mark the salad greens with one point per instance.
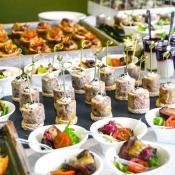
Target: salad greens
point(3, 108)
point(158, 121)
point(70, 131)
point(121, 167)
point(154, 162)
point(41, 70)
point(3, 76)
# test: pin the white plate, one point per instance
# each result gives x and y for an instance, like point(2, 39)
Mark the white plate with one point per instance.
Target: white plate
point(52, 161)
point(59, 15)
point(37, 135)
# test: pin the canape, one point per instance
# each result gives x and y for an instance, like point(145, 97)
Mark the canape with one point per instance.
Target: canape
point(101, 107)
point(66, 110)
point(67, 25)
point(166, 95)
point(18, 29)
point(33, 115)
point(151, 82)
point(124, 84)
point(138, 100)
point(79, 79)
point(49, 82)
point(93, 88)
point(17, 85)
point(42, 28)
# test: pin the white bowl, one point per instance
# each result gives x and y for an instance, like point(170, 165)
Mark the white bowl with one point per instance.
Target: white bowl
point(59, 15)
point(129, 29)
point(37, 135)
point(11, 110)
point(73, 63)
point(163, 155)
point(52, 161)
point(131, 123)
point(5, 83)
point(120, 69)
point(163, 134)
point(37, 78)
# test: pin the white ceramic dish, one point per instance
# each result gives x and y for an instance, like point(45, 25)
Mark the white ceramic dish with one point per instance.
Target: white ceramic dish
point(129, 29)
point(74, 63)
point(59, 15)
point(131, 123)
point(37, 78)
point(163, 155)
point(37, 134)
point(52, 161)
point(120, 69)
point(163, 134)
point(5, 83)
point(11, 110)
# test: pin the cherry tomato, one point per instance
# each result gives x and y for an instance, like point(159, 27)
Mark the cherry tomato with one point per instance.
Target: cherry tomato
point(137, 169)
point(3, 164)
point(115, 62)
point(62, 140)
point(68, 172)
point(3, 36)
point(30, 34)
point(170, 121)
point(55, 31)
point(122, 134)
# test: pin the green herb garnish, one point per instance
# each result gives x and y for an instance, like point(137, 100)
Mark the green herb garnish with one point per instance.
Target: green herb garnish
point(154, 162)
point(70, 131)
point(3, 108)
point(158, 121)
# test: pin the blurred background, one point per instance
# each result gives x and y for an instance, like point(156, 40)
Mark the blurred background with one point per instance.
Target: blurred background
point(27, 10)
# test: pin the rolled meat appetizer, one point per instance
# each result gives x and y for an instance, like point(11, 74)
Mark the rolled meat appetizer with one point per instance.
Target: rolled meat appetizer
point(138, 100)
point(133, 71)
point(17, 85)
point(79, 79)
point(33, 115)
point(18, 29)
point(101, 107)
point(107, 75)
point(124, 84)
point(26, 94)
point(66, 110)
point(49, 83)
point(151, 82)
point(42, 28)
point(59, 93)
point(166, 95)
point(92, 89)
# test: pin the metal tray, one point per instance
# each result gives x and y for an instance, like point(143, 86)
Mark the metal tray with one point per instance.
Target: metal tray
point(18, 164)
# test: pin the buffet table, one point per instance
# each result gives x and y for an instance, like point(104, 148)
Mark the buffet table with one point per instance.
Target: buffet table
point(119, 109)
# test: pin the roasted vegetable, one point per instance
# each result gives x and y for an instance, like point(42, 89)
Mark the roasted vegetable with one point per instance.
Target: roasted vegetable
point(166, 112)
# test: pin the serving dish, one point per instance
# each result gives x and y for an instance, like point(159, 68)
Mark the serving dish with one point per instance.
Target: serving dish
point(36, 79)
point(37, 134)
point(52, 161)
point(163, 134)
point(18, 163)
point(59, 15)
point(10, 110)
point(5, 82)
point(139, 130)
point(163, 155)
point(118, 69)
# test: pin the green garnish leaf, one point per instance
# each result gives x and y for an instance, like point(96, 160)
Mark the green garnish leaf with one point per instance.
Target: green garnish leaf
point(158, 121)
point(121, 167)
point(154, 162)
point(70, 131)
point(4, 108)
point(2, 76)
point(41, 70)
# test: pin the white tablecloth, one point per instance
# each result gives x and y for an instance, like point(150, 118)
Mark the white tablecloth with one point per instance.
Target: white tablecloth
point(93, 145)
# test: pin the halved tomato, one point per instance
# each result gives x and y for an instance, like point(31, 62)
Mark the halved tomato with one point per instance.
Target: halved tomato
point(142, 165)
point(170, 121)
point(122, 134)
point(115, 62)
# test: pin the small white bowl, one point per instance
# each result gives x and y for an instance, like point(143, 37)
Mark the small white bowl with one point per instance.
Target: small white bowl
point(120, 69)
point(59, 15)
point(5, 83)
point(163, 155)
point(11, 110)
point(37, 78)
point(131, 123)
point(73, 63)
point(52, 161)
point(165, 135)
point(129, 29)
point(37, 135)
